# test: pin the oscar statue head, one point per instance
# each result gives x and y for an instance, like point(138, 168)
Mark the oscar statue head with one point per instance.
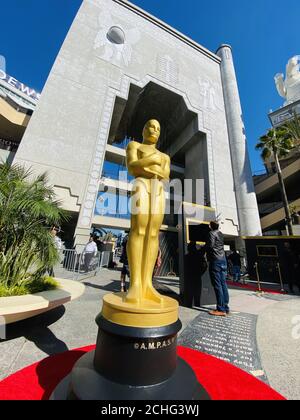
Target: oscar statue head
point(151, 132)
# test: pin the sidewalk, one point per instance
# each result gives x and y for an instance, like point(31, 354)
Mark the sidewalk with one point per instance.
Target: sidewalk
point(73, 326)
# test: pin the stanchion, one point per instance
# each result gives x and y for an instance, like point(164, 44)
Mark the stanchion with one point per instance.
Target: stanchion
point(171, 273)
point(243, 280)
point(280, 277)
point(258, 278)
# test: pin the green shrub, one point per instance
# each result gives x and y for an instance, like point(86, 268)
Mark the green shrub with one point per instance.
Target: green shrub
point(29, 287)
point(27, 211)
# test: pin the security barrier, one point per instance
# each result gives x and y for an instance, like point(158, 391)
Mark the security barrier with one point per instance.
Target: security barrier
point(75, 265)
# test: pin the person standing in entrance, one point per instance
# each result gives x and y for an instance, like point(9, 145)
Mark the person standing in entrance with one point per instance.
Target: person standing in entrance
point(125, 269)
point(218, 269)
point(195, 267)
point(235, 259)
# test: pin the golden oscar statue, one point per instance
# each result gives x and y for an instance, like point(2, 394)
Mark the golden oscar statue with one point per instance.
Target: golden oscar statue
point(143, 306)
point(149, 167)
point(136, 351)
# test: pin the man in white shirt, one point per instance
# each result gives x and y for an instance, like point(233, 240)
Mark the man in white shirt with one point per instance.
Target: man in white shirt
point(89, 252)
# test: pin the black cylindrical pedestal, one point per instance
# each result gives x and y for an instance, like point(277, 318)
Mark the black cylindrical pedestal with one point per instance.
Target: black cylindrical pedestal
point(132, 364)
point(136, 356)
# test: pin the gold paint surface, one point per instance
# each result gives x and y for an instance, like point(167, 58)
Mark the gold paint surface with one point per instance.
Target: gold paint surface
point(117, 310)
point(150, 168)
point(142, 306)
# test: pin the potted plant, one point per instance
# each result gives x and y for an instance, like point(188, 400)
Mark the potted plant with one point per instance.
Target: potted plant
point(28, 209)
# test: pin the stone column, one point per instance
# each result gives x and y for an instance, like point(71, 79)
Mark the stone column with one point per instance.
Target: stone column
point(249, 221)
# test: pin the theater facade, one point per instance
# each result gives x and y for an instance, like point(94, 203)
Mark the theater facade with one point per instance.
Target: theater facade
point(117, 68)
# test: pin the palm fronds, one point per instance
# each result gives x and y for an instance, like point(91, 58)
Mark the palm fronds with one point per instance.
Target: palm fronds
point(293, 128)
point(277, 141)
point(27, 210)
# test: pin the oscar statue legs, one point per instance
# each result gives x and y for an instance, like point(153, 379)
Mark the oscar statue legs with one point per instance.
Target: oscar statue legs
point(147, 216)
point(135, 246)
point(152, 241)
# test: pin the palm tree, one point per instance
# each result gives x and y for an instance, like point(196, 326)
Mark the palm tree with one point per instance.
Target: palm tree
point(278, 143)
point(27, 210)
point(293, 129)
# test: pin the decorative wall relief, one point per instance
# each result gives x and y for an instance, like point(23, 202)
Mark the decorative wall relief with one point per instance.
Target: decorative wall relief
point(114, 43)
point(167, 69)
point(210, 99)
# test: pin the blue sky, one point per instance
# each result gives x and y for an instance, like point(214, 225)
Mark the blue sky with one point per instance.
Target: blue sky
point(264, 34)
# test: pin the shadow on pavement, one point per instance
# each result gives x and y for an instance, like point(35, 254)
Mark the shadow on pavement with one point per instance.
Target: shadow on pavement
point(36, 330)
point(114, 287)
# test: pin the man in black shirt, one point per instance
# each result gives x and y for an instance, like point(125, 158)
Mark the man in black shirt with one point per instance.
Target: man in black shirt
point(218, 269)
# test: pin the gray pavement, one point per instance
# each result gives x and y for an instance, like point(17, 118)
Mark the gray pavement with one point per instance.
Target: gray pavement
point(278, 336)
point(73, 326)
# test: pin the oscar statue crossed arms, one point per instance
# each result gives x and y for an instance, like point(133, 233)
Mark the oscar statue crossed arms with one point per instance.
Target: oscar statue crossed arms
point(149, 167)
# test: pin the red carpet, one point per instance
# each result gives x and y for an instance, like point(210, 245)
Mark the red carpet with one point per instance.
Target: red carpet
point(255, 288)
point(222, 380)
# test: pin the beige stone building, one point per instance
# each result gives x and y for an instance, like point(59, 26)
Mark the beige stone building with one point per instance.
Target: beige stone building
point(17, 103)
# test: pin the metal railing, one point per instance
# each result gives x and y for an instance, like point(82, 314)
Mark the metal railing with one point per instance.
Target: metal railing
point(74, 265)
point(260, 282)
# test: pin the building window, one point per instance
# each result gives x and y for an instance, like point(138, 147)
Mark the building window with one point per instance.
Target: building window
point(116, 35)
point(115, 171)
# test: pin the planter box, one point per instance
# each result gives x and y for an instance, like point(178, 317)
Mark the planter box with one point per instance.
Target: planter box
point(18, 308)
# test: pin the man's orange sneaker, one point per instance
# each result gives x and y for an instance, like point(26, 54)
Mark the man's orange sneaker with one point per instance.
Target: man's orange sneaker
point(217, 313)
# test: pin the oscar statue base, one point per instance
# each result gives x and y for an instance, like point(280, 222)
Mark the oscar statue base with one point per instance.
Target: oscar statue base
point(133, 362)
point(91, 386)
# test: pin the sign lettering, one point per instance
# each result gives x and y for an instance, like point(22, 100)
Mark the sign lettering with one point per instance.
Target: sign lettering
point(18, 85)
